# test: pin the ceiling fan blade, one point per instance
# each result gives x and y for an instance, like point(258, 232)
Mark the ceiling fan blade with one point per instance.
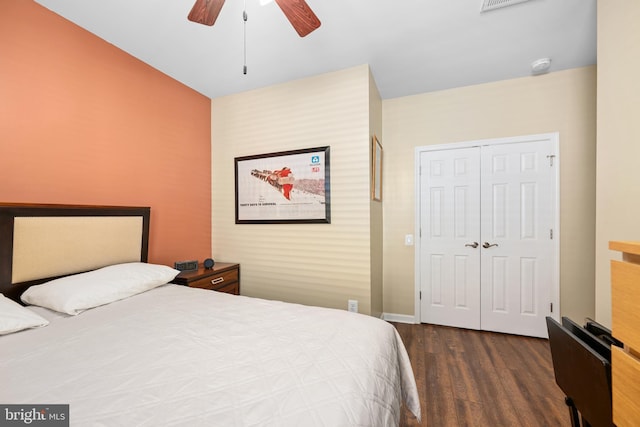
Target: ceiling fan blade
point(205, 11)
point(300, 15)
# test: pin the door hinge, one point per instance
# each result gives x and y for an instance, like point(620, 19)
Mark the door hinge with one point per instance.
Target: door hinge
point(551, 234)
point(551, 307)
point(420, 294)
point(550, 157)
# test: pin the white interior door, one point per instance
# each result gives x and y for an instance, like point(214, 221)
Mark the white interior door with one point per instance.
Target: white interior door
point(502, 196)
point(518, 198)
point(450, 182)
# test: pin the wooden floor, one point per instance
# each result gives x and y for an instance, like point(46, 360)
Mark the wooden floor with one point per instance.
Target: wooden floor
point(476, 378)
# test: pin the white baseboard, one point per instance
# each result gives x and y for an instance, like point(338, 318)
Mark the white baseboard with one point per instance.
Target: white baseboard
point(399, 318)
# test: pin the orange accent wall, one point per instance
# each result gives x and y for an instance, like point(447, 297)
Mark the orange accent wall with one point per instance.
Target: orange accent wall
point(83, 122)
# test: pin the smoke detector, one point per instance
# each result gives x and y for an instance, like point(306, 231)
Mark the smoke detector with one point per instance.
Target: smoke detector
point(488, 5)
point(540, 66)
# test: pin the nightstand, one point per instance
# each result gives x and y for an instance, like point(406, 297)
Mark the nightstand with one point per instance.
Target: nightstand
point(223, 277)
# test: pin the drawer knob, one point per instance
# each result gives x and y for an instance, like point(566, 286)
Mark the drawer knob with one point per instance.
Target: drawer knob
point(217, 280)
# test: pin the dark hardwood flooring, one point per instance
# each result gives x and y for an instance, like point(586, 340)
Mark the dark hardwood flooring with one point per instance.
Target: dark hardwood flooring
point(478, 378)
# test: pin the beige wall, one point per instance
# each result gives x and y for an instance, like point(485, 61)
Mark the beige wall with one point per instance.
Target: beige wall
point(563, 102)
point(618, 182)
point(375, 120)
point(316, 264)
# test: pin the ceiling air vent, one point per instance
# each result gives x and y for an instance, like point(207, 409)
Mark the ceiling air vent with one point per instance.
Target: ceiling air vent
point(488, 5)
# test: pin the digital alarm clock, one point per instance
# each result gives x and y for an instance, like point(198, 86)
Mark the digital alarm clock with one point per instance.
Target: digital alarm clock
point(186, 265)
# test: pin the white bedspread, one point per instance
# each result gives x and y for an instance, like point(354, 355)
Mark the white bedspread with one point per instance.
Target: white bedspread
point(191, 357)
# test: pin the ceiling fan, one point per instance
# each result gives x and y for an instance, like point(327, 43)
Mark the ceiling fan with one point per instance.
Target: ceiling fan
point(298, 12)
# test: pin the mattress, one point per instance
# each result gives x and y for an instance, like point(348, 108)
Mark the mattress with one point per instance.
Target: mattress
point(178, 356)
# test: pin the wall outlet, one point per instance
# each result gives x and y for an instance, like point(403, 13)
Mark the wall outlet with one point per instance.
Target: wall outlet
point(353, 305)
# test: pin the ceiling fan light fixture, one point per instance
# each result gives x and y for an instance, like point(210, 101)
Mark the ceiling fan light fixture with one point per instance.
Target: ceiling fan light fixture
point(298, 12)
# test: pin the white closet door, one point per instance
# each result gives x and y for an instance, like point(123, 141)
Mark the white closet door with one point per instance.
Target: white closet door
point(502, 196)
point(450, 224)
point(517, 216)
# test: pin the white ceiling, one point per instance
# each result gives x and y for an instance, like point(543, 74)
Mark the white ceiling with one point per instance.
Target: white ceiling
point(412, 46)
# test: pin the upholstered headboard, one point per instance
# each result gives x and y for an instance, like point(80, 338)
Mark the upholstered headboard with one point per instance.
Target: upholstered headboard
point(42, 242)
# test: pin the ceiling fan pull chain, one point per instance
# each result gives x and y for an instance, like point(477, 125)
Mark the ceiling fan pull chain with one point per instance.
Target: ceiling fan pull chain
point(244, 18)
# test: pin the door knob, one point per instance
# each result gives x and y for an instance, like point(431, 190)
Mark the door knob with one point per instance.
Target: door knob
point(487, 245)
point(473, 245)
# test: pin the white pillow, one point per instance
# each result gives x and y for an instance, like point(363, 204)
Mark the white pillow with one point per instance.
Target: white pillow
point(14, 317)
point(74, 294)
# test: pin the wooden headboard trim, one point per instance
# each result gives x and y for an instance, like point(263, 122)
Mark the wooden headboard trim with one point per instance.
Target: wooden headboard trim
point(10, 211)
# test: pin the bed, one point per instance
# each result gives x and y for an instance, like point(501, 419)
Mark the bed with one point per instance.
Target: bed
point(165, 354)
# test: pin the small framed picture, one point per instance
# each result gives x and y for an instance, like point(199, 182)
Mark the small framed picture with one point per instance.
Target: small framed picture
point(376, 170)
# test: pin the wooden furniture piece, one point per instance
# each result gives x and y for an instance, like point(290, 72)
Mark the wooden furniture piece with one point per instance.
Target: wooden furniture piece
point(625, 321)
point(223, 277)
point(58, 240)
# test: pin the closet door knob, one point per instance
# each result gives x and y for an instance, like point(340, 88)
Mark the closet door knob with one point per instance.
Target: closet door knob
point(487, 245)
point(472, 245)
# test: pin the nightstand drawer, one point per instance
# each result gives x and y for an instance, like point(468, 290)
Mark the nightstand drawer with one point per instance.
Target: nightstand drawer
point(216, 281)
point(229, 288)
point(223, 277)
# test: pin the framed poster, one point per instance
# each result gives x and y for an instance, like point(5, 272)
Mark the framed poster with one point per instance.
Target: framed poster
point(376, 170)
point(284, 187)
